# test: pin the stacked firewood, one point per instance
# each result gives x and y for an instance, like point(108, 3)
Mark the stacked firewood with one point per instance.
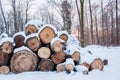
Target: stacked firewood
point(41, 48)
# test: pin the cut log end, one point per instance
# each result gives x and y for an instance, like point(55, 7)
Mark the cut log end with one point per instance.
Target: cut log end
point(58, 46)
point(7, 47)
point(4, 58)
point(46, 65)
point(85, 64)
point(23, 61)
point(58, 58)
point(44, 52)
point(30, 29)
point(4, 70)
point(19, 40)
point(64, 37)
point(76, 56)
point(33, 43)
point(69, 67)
point(46, 35)
point(60, 68)
point(96, 64)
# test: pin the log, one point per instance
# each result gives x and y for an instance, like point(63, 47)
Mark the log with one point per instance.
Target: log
point(58, 46)
point(44, 52)
point(30, 29)
point(22, 61)
point(105, 61)
point(58, 57)
point(69, 65)
point(96, 64)
point(85, 64)
point(4, 70)
point(33, 43)
point(76, 56)
point(4, 58)
point(46, 65)
point(19, 40)
point(64, 37)
point(7, 47)
point(46, 35)
point(60, 67)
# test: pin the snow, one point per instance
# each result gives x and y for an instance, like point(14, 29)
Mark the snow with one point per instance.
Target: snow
point(2, 40)
point(35, 22)
point(56, 39)
point(110, 71)
point(19, 33)
point(22, 48)
point(72, 40)
point(3, 35)
point(69, 61)
point(45, 25)
point(30, 36)
point(59, 33)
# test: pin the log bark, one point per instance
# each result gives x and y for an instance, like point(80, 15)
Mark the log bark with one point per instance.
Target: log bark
point(4, 70)
point(64, 37)
point(30, 29)
point(46, 65)
point(85, 64)
point(44, 52)
point(58, 57)
point(76, 56)
point(58, 46)
point(33, 43)
point(4, 58)
point(96, 64)
point(19, 40)
point(23, 61)
point(46, 35)
point(7, 47)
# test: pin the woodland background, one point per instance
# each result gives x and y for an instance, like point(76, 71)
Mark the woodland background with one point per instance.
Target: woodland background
point(92, 22)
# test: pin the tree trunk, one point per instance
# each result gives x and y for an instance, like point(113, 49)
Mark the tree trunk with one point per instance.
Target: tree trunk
point(64, 37)
point(33, 43)
point(96, 30)
point(46, 65)
point(82, 22)
point(44, 52)
point(92, 38)
point(117, 26)
point(58, 57)
point(23, 61)
point(102, 22)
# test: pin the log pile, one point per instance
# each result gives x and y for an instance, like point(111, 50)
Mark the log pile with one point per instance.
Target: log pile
point(42, 49)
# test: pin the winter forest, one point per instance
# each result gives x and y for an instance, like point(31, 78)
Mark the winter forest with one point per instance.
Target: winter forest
point(91, 21)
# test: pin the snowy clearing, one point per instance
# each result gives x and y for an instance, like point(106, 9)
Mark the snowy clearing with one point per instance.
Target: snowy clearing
point(110, 72)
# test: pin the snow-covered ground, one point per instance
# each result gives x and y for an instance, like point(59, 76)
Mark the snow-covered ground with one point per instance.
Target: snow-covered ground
point(110, 72)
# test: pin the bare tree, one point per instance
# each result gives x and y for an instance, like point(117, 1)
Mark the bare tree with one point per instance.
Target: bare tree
point(117, 26)
point(3, 15)
point(92, 38)
point(82, 22)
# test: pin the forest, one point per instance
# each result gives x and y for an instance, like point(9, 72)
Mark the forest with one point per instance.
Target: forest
point(92, 22)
